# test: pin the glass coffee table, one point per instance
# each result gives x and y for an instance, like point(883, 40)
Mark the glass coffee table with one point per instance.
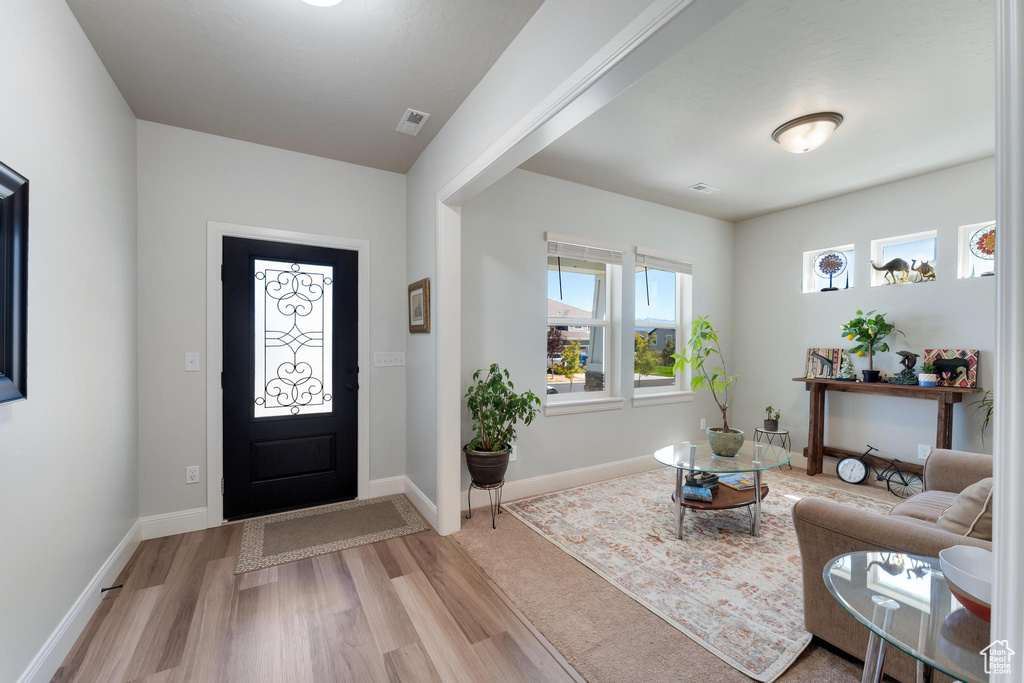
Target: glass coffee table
point(904, 601)
point(697, 457)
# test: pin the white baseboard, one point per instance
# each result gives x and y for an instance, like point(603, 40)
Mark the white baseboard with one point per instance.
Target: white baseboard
point(389, 486)
point(171, 523)
point(556, 481)
point(46, 662)
point(422, 503)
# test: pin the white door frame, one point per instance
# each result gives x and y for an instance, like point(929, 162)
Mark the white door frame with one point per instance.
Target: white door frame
point(215, 232)
point(1008, 441)
point(656, 34)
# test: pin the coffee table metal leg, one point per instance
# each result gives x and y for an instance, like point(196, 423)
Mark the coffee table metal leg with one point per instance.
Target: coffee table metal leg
point(874, 658)
point(755, 523)
point(679, 504)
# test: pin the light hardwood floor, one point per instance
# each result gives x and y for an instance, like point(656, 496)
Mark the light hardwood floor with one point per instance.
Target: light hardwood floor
point(408, 609)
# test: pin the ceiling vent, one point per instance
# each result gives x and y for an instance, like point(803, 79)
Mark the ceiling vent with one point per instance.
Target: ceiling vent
point(704, 188)
point(412, 121)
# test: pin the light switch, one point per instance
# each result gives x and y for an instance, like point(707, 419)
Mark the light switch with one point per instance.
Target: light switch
point(388, 359)
point(191, 362)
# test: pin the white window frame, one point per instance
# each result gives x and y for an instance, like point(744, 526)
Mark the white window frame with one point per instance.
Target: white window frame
point(809, 277)
point(963, 249)
point(679, 390)
point(590, 401)
point(878, 246)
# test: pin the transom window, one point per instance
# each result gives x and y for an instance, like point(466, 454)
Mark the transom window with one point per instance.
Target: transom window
point(977, 250)
point(904, 259)
point(828, 269)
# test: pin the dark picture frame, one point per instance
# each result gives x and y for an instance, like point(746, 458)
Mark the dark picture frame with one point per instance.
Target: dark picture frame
point(13, 285)
point(419, 307)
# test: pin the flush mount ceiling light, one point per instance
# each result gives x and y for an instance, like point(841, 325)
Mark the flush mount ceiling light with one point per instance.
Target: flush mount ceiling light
point(807, 133)
point(322, 3)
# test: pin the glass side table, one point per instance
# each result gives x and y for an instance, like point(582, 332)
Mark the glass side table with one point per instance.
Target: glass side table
point(904, 601)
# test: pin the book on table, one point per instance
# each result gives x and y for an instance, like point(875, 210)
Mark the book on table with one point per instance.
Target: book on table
point(697, 493)
point(740, 481)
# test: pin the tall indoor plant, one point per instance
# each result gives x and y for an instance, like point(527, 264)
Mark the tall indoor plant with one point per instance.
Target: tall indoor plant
point(869, 330)
point(710, 374)
point(496, 409)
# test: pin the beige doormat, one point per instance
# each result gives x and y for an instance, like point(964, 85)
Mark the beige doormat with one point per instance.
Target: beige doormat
point(279, 539)
point(737, 596)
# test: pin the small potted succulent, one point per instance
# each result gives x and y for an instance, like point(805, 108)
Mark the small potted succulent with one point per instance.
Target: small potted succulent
point(869, 330)
point(700, 347)
point(496, 409)
point(771, 423)
point(927, 377)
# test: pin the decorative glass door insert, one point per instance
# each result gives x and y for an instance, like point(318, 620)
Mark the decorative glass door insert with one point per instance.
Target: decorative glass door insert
point(294, 311)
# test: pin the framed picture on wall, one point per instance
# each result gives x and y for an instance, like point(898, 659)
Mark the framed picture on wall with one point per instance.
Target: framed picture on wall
point(419, 306)
point(13, 285)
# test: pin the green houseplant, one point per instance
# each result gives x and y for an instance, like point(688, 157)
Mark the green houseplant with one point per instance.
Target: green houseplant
point(496, 408)
point(927, 376)
point(703, 355)
point(771, 422)
point(869, 330)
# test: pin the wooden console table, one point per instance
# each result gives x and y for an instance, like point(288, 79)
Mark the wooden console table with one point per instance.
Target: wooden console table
point(816, 448)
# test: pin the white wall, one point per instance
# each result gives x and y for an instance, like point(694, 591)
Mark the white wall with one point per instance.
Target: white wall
point(69, 489)
point(776, 323)
point(188, 178)
point(560, 37)
point(504, 262)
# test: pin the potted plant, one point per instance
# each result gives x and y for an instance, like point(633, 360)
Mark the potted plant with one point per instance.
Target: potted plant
point(702, 344)
point(496, 409)
point(927, 376)
point(771, 423)
point(984, 407)
point(869, 330)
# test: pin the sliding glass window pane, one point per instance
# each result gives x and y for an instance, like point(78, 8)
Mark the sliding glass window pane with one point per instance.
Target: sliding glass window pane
point(656, 296)
point(575, 359)
point(294, 310)
point(576, 289)
point(652, 356)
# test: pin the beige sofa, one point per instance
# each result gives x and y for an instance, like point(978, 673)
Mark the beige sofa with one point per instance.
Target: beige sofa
point(826, 529)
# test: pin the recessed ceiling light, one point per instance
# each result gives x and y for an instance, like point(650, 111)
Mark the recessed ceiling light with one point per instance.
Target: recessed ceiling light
point(322, 3)
point(807, 133)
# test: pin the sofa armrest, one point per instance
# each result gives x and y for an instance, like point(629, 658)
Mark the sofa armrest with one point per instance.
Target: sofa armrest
point(954, 471)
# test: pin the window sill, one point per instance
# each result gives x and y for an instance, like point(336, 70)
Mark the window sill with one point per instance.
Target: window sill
point(591, 405)
point(662, 398)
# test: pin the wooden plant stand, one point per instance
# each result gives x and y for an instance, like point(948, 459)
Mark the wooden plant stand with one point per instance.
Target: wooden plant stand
point(816, 448)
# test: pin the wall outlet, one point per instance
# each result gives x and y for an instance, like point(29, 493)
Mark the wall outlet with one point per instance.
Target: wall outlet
point(191, 362)
point(389, 359)
point(923, 450)
point(512, 455)
point(703, 423)
point(192, 474)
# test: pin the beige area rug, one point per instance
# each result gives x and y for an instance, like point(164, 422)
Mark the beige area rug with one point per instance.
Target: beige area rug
point(291, 536)
point(737, 596)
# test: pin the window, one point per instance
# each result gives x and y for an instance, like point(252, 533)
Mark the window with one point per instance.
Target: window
point(903, 260)
point(661, 297)
point(579, 343)
point(977, 250)
point(13, 285)
point(830, 269)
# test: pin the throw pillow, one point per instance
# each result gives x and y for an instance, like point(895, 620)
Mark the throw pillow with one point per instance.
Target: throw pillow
point(971, 513)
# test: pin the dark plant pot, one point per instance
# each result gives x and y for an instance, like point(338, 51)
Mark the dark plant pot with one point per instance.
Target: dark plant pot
point(771, 425)
point(871, 375)
point(486, 468)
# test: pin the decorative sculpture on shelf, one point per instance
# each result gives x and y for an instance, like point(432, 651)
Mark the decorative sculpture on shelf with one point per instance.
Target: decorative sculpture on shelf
point(908, 359)
point(897, 269)
point(846, 370)
point(830, 264)
point(925, 270)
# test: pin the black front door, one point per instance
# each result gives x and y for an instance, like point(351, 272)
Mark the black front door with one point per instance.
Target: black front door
point(290, 378)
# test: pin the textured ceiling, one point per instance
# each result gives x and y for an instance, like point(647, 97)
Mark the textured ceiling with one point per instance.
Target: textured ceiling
point(327, 81)
point(915, 80)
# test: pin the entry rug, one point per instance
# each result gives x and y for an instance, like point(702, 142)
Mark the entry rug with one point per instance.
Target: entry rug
point(738, 596)
point(279, 539)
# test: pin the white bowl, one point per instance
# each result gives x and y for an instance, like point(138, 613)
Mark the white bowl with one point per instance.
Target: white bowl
point(968, 570)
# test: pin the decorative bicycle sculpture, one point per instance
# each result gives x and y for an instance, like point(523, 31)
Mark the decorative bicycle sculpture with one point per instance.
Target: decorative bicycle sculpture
point(830, 264)
point(854, 470)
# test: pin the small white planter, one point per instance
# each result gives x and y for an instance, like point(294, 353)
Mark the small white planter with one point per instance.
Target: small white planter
point(926, 380)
